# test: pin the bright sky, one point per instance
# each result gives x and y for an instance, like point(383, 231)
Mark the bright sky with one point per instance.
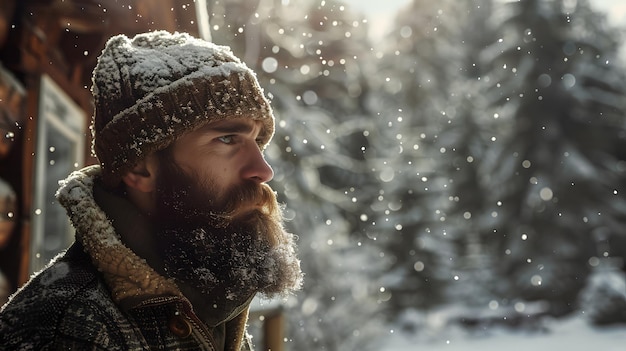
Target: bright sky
point(616, 10)
point(380, 13)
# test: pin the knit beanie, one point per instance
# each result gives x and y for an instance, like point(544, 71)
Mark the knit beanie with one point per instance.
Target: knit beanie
point(157, 86)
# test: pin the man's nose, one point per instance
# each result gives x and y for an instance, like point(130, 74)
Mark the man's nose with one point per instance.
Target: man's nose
point(257, 169)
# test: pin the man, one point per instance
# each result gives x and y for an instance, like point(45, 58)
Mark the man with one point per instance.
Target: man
point(176, 228)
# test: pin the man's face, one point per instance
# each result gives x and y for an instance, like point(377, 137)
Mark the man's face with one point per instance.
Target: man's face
point(223, 156)
point(225, 153)
point(221, 225)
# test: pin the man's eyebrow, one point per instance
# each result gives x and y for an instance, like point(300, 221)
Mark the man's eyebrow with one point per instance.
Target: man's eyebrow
point(234, 127)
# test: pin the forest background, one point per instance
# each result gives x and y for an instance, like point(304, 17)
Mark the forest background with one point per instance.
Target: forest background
point(470, 161)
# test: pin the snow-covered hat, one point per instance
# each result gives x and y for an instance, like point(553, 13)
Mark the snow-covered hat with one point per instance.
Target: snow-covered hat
point(153, 88)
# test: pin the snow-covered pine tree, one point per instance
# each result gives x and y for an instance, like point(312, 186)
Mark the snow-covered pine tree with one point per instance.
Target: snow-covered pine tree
point(603, 300)
point(411, 92)
point(464, 138)
point(552, 167)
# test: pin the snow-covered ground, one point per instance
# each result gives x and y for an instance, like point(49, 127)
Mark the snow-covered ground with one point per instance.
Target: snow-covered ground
point(572, 334)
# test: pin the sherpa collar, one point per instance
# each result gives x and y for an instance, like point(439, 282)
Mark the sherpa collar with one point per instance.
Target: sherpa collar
point(128, 275)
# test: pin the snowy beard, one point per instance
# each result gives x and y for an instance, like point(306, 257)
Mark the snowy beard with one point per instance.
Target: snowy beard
point(213, 244)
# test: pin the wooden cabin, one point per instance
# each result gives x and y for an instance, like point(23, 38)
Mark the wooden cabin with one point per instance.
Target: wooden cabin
point(48, 49)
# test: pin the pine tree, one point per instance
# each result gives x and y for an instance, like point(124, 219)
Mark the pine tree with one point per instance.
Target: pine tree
point(412, 88)
point(551, 167)
point(463, 140)
point(603, 300)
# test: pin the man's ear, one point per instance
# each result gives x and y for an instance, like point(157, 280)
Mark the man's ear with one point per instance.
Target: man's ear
point(143, 176)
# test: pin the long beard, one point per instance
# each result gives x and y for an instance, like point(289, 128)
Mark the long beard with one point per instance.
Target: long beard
point(232, 245)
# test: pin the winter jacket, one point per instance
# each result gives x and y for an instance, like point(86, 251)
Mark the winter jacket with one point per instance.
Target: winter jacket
point(99, 295)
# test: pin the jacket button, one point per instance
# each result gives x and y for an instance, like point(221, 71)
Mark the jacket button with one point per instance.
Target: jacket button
point(179, 326)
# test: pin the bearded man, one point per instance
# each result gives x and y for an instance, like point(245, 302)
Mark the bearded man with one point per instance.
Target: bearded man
point(176, 228)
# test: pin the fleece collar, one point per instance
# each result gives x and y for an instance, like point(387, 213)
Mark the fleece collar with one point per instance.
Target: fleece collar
point(129, 277)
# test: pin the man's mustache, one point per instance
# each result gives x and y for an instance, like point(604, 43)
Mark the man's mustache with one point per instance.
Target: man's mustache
point(250, 196)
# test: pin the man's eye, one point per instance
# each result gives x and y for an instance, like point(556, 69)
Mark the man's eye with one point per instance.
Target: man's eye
point(227, 139)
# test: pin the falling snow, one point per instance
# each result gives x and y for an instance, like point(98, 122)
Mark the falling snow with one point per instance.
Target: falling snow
point(442, 181)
